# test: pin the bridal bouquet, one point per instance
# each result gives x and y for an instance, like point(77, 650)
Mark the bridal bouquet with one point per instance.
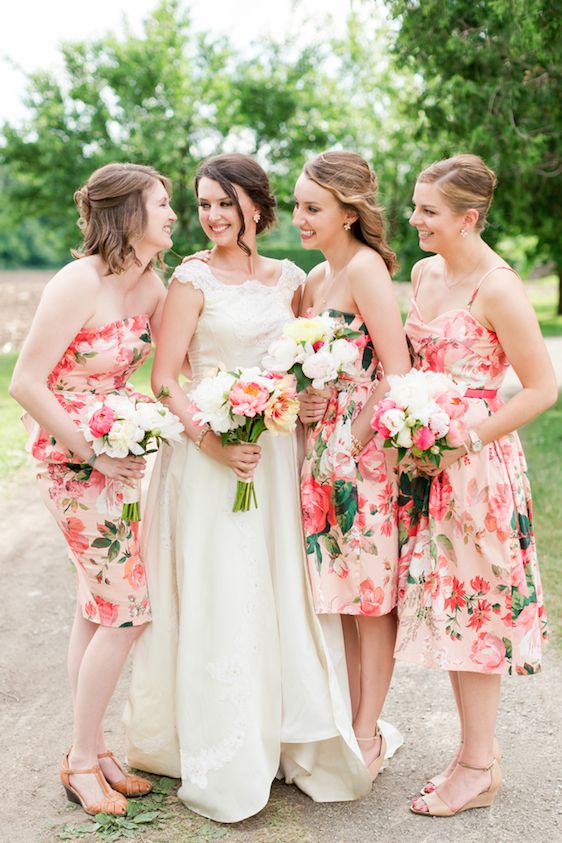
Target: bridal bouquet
point(239, 406)
point(315, 350)
point(422, 413)
point(121, 425)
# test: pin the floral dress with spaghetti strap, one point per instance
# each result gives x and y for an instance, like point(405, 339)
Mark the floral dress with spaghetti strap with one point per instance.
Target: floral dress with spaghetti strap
point(470, 595)
point(86, 505)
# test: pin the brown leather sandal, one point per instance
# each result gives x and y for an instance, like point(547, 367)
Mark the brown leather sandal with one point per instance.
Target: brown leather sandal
point(111, 803)
point(130, 786)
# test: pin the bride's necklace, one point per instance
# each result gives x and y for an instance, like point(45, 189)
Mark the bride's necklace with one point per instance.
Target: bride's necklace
point(454, 283)
point(321, 303)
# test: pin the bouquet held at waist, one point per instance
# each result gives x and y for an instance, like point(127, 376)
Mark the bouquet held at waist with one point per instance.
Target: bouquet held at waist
point(239, 406)
point(123, 425)
point(422, 415)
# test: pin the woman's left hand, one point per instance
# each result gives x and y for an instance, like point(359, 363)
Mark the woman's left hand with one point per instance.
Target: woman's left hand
point(431, 470)
point(204, 255)
point(313, 405)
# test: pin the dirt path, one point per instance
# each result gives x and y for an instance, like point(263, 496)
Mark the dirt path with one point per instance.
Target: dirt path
point(37, 607)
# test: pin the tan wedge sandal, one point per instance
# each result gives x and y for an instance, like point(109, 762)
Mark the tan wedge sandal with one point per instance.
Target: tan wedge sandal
point(131, 785)
point(111, 803)
point(433, 784)
point(437, 808)
point(374, 767)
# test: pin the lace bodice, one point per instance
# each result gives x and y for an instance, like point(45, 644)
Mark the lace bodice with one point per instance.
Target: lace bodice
point(238, 322)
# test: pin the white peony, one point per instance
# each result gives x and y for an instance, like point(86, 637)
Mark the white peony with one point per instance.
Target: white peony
point(210, 396)
point(281, 355)
point(156, 419)
point(124, 438)
point(439, 423)
point(394, 420)
point(320, 367)
point(122, 406)
point(404, 438)
point(345, 354)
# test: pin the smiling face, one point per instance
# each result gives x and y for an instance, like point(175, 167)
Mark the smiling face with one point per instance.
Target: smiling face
point(437, 225)
point(159, 217)
point(318, 214)
point(219, 217)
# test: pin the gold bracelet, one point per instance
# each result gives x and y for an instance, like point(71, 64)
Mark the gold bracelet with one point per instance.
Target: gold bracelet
point(197, 442)
point(356, 446)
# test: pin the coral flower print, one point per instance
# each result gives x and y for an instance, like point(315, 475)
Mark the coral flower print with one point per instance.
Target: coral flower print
point(485, 613)
point(86, 505)
point(350, 507)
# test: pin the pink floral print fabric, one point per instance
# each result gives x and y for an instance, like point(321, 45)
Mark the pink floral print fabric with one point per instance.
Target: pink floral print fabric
point(111, 579)
point(470, 595)
point(350, 507)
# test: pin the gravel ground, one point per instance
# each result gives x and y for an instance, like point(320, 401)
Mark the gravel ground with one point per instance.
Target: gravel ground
point(35, 718)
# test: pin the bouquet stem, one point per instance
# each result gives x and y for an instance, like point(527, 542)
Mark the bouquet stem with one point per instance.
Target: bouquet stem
point(131, 512)
point(245, 495)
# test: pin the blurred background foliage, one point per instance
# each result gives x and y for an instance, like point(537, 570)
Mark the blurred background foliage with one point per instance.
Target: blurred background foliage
point(408, 82)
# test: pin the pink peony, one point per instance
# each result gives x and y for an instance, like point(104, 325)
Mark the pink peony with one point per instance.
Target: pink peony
point(489, 652)
point(248, 398)
point(101, 421)
point(424, 438)
point(456, 434)
point(453, 404)
point(371, 598)
point(382, 407)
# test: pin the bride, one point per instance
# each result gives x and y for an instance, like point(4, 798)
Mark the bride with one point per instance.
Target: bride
point(233, 683)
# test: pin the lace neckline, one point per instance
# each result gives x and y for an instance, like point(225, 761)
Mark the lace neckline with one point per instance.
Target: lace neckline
point(249, 281)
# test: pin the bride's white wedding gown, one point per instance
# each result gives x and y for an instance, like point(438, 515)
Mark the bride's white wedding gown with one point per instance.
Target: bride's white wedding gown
point(235, 679)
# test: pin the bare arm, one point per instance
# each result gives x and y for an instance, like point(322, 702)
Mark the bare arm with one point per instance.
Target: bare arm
point(504, 304)
point(374, 295)
point(181, 313)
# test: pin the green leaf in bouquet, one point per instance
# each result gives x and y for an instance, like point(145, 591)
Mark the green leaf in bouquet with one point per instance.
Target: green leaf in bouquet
point(302, 381)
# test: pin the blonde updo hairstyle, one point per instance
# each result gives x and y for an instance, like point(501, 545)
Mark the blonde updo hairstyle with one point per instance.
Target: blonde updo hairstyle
point(350, 179)
point(113, 213)
point(465, 182)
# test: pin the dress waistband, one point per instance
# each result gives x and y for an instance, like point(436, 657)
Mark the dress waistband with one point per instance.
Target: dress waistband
point(480, 393)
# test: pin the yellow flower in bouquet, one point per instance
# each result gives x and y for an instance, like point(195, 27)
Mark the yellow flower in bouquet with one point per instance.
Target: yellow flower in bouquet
point(280, 414)
point(303, 330)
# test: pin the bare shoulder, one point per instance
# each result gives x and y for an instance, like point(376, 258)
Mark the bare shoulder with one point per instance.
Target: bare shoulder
point(367, 266)
point(316, 274)
point(78, 280)
point(428, 264)
point(500, 283)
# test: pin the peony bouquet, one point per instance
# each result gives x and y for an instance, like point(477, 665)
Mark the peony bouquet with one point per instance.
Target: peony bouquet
point(121, 425)
point(315, 349)
point(239, 406)
point(422, 413)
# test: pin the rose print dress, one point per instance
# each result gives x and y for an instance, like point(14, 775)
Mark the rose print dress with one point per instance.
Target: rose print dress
point(470, 594)
point(350, 508)
point(111, 580)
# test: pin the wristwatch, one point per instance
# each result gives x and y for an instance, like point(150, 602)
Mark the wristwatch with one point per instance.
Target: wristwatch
point(476, 443)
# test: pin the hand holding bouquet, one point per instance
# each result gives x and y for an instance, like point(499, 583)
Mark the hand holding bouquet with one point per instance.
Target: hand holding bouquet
point(239, 406)
point(121, 425)
point(421, 414)
point(315, 350)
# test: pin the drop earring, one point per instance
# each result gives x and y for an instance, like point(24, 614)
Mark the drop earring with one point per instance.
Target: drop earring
point(257, 217)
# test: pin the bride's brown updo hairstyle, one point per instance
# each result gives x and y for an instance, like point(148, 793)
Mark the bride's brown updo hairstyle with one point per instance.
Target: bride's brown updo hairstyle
point(236, 169)
point(465, 182)
point(350, 179)
point(113, 213)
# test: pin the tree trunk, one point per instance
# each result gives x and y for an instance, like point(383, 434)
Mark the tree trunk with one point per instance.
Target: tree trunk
point(559, 273)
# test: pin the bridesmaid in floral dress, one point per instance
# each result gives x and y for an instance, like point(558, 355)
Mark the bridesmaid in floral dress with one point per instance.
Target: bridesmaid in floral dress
point(470, 598)
point(349, 484)
point(92, 329)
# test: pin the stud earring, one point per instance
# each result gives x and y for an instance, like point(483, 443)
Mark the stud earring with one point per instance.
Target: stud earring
point(257, 217)
point(464, 232)
point(347, 226)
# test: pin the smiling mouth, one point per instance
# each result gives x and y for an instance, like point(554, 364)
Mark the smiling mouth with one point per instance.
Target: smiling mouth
point(218, 229)
point(306, 233)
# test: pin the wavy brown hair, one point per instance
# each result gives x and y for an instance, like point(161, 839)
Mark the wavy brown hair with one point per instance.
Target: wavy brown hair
point(350, 179)
point(236, 169)
point(113, 213)
point(465, 182)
